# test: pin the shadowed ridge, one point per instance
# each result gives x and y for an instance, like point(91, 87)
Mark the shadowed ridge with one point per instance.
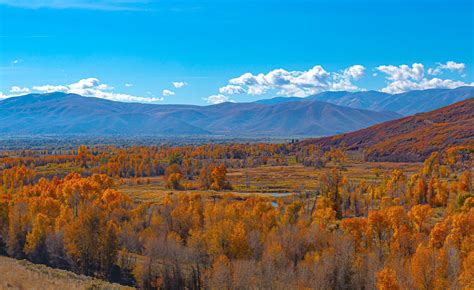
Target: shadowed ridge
point(411, 138)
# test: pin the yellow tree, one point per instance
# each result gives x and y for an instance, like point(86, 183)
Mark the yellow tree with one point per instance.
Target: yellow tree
point(423, 268)
point(35, 246)
point(239, 247)
point(81, 240)
point(420, 215)
point(218, 178)
point(331, 188)
point(173, 176)
point(467, 275)
point(387, 279)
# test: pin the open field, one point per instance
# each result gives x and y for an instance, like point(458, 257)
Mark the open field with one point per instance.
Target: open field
point(21, 274)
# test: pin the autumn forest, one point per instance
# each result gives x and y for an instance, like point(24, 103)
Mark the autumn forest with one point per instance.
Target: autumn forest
point(221, 217)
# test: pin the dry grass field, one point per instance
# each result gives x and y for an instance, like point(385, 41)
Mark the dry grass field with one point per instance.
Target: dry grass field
point(270, 179)
point(21, 274)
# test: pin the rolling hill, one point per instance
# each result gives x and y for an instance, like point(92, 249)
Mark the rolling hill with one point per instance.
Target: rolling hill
point(406, 104)
point(411, 138)
point(59, 113)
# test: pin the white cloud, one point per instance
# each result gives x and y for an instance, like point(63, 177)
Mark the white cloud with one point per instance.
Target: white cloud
point(179, 84)
point(129, 85)
point(15, 91)
point(167, 93)
point(50, 88)
point(403, 72)
point(92, 87)
point(18, 90)
point(402, 86)
point(297, 83)
point(450, 66)
point(16, 61)
point(356, 71)
point(85, 84)
point(217, 99)
point(232, 90)
point(2, 96)
point(404, 78)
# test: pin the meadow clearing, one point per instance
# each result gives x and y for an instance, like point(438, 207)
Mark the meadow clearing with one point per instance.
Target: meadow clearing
point(269, 181)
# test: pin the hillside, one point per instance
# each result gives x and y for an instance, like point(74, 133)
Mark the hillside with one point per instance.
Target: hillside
point(21, 274)
point(59, 113)
point(411, 138)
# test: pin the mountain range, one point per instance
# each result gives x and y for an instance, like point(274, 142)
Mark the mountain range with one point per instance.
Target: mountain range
point(324, 114)
point(59, 113)
point(406, 104)
point(411, 138)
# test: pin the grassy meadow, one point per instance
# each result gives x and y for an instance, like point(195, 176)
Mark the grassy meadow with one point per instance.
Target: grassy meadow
point(270, 181)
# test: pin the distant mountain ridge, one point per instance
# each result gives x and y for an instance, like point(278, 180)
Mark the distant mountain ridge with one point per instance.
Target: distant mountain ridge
point(406, 104)
point(59, 113)
point(411, 138)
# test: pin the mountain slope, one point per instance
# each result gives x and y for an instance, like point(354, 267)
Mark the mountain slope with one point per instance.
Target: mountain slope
point(411, 138)
point(312, 118)
point(59, 113)
point(406, 103)
point(278, 100)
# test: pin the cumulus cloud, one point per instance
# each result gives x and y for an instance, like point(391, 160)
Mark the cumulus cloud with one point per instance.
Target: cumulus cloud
point(87, 84)
point(18, 90)
point(296, 83)
point(129, 85)
point(90, 87)
point(400, 78)
point(232, 90)
point(398, 87)
point(217, 99)
point(50, 88)
point(403, 72)
point(179, 84)
point(449, 66)
point(356, 71)
point(167, 93)
point(405, 78)
point(15, 91)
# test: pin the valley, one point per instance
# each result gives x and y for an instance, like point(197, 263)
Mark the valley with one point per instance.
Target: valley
point(202, 215)
point(236, 145)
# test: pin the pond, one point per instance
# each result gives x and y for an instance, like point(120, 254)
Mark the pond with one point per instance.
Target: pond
point(278, 194)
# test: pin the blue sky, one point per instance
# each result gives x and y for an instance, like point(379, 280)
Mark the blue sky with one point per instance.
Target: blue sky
point(214, 51)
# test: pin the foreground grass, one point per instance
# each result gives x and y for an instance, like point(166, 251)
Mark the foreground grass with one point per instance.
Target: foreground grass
point(21, 274)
